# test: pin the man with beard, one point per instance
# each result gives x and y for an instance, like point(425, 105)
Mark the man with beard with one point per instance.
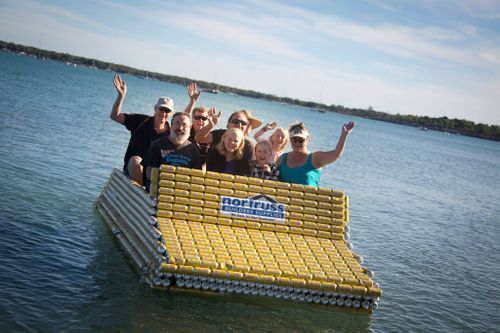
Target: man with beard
point(174, 149)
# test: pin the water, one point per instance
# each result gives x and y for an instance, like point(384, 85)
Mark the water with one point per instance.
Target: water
point(424, 216)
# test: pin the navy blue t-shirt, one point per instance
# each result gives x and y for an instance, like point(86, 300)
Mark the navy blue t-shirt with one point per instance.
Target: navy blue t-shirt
point(163, 151)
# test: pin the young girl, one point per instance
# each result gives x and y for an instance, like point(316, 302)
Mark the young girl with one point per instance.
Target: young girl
point(279, 140)
point(227, 156)
point(261, 168)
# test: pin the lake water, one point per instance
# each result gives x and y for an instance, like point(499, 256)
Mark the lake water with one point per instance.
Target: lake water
point(425, 216)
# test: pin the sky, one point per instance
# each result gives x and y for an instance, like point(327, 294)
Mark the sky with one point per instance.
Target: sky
point(428, 57)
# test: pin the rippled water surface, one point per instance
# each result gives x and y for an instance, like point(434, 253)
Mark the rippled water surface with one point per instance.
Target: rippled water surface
point(425, 216)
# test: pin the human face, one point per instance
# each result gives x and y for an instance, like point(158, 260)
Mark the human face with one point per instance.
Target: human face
point(179, 132)
point(240, 121)
point(161, 114)
point(278, 138)
point(233, 141)
point(298, 143)
point(200, 120)
point(262, 154)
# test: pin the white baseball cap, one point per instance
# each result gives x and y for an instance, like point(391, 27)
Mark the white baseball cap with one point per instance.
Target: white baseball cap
point(299, 132)
point(165, 102)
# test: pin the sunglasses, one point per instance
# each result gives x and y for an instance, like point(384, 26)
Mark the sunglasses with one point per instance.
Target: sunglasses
point(238, 122)
point(164, 109)
point(200, 118)
point(298, 140)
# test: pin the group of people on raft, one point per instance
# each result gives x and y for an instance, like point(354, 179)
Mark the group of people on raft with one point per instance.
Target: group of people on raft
point(191, 140)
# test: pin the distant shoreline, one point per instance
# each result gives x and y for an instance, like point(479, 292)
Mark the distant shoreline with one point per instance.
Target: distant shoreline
point(444, 124)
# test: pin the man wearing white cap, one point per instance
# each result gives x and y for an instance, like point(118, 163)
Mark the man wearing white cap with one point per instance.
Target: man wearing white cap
point(144, 129)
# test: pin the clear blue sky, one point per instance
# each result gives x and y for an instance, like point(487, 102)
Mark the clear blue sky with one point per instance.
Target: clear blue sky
point(426, 57)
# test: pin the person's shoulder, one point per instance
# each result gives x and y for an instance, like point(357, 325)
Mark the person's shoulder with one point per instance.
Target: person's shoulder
point(193, 148)
point(189, 145)
point(280, 159)
point(249, 143)
point(133, 120)
point(218, 131)
point(161, 142)
point(248, 149)
point(217, 135)
point(136, 117)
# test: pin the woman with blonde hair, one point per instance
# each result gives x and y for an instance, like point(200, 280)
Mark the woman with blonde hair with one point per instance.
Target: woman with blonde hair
point(228, 155)
point(242, 120)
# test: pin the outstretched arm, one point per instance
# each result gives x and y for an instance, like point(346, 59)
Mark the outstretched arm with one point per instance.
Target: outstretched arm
point(194, 95)
point(121, 89)
point(264, 129)
point(204, 135)
point(322, 158)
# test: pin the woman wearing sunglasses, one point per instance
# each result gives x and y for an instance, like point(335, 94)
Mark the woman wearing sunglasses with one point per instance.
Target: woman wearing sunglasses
point(242, 120)
point(303, 167)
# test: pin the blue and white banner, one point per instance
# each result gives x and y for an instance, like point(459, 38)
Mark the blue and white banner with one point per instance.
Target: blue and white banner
point(260, 207)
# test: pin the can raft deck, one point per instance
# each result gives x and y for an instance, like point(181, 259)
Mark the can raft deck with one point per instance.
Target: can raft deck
point(224, 233)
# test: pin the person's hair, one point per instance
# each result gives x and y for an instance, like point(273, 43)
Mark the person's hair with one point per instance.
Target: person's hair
point(244, 112)
point(287, 138)
point(297, 125)
point(221, 147)
point(177, 114)
point(199, 109)
point(265, 143)
point(249, 117)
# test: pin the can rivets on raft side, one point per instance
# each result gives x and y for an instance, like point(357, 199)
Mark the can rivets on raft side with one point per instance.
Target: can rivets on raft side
point(348, 303)
point(197, 284)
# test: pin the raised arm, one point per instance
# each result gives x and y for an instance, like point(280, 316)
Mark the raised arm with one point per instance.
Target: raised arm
point(322, 158)
point(121, 89)
point(264, 129)
point(194, 95)
point(204, 135)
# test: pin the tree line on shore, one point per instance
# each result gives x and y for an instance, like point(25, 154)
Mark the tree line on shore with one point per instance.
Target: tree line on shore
point(445, 124)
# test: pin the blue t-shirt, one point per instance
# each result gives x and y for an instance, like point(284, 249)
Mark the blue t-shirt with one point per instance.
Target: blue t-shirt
point(163, 151)
point(305, 174)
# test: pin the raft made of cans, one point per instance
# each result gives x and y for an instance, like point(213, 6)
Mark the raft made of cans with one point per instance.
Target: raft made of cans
point(235, 234)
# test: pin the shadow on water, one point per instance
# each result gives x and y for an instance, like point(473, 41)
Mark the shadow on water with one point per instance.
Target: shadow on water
point(120, 301)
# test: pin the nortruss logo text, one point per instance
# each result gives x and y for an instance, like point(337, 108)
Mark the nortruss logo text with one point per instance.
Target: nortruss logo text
point(259, 207)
